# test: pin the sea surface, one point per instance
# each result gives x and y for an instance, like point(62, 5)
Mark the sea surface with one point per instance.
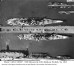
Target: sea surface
point(35, 8)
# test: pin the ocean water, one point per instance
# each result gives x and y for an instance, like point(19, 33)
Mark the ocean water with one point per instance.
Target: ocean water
point(35, 8)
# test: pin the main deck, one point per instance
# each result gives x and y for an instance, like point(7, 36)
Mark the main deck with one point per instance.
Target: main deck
point(38, 29)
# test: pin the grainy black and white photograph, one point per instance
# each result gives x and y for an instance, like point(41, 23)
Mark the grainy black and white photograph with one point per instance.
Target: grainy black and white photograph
point(36, 29)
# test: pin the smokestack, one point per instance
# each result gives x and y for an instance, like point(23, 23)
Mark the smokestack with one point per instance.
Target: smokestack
point(27, 51)
point(7, 47)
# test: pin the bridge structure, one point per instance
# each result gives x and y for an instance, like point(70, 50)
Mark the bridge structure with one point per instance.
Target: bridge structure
point(38, 29)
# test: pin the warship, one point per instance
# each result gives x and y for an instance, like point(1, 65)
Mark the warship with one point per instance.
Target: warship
point(63, 57)
point(40, 55)
point(66, 12)
point(31, 21)
point(38, 29)
point(7, 54)
point(38, 37)
point(33, 33)
point(59, 5)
